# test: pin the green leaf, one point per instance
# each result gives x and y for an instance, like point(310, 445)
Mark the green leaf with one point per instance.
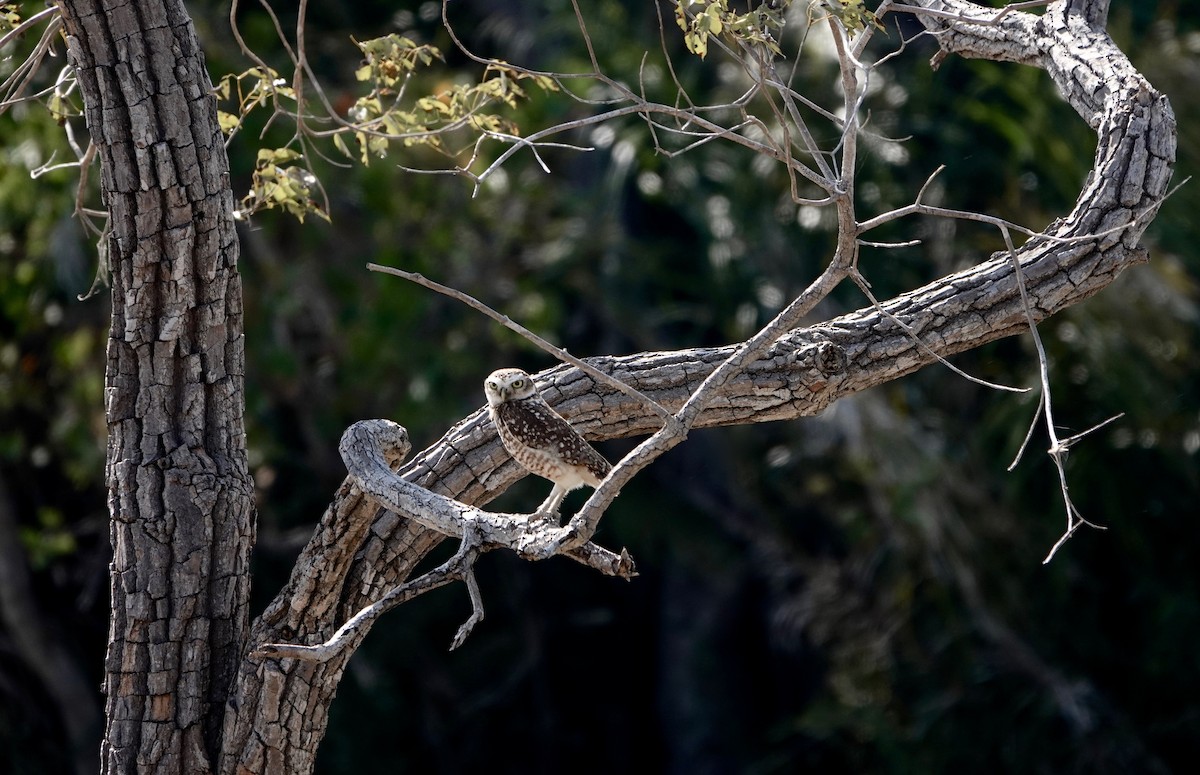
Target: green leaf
point(10, 16)
point(227, 121)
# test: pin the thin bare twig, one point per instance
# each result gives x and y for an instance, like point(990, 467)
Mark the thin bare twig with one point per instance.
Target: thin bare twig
point(32, 21)
point(460, 567)
point(512, 325)
point(1058, 450)
point(13, 88)
point(865, 287)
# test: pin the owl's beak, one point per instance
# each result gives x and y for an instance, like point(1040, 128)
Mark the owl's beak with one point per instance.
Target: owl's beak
point(504, 393)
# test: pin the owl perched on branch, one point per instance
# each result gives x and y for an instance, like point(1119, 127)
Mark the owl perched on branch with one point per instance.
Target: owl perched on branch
point(539, 438)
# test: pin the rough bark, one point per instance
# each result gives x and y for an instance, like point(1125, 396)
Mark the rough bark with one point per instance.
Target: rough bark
point(179, 490)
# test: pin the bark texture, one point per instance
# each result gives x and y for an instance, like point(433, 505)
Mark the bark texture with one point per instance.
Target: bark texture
point(179, 490)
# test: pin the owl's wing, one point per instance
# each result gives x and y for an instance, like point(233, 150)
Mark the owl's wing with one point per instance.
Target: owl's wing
point(540, 427)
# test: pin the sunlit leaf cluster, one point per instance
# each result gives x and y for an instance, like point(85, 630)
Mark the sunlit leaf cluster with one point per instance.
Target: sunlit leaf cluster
point(10, 16)
point(703, 19)
point(250, 89)
point(381, 116)
point(390, 60)
point(385, 115)
point(278, 183)
point(853, 14)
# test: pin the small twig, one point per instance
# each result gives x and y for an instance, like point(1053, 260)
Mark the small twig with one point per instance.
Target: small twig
point(85, 165)
point(512, 325)
point(680, 91)
point(917, 208)
point(458, 567)
point(890, 245)
point(237, 36)
point(1058, 449)
point(769, 76)
point(1033, 424)
point(50, 166)
point(865, 287)
point(12, 90)
point(476, 616)
point(853, 96)
point(32, 21)
point(1071, 440)
point(298, 72)
point(1070, 531)
point(587, 39)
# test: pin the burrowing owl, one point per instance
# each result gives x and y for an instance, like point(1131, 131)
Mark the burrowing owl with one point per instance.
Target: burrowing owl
point(539, 438)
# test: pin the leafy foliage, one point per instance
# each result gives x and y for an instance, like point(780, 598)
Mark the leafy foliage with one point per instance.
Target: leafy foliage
point(10, 17)
point(250, 89)
point(277, 182)
point(853, 14)
point(381, 117)
point(702, 19)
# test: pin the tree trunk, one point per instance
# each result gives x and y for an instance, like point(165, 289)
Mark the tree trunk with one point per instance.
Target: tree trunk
point(179, 489)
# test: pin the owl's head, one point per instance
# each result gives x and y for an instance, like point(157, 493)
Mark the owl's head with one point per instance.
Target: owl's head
point(507, 385)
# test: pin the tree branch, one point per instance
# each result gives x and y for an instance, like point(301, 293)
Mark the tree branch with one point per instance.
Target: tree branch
point(784, 372)
point(963, 310)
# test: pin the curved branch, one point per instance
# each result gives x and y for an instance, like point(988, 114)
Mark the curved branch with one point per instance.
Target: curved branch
point(798, 374)
point(1078, 256)
point(367, 448)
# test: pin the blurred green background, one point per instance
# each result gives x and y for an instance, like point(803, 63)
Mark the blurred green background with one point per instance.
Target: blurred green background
point(859, 592)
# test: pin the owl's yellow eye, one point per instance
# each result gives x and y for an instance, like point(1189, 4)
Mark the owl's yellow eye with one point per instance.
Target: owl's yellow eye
point(492, 385)
point(520, 383)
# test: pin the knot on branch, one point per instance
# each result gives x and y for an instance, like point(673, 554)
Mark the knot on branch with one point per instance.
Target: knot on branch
point(830, 359)
point(814, 353)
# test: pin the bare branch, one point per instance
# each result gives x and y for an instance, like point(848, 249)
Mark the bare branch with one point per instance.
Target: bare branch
point(31, 22)
point(13, 88)
point(512, 325)
point(349, 635)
